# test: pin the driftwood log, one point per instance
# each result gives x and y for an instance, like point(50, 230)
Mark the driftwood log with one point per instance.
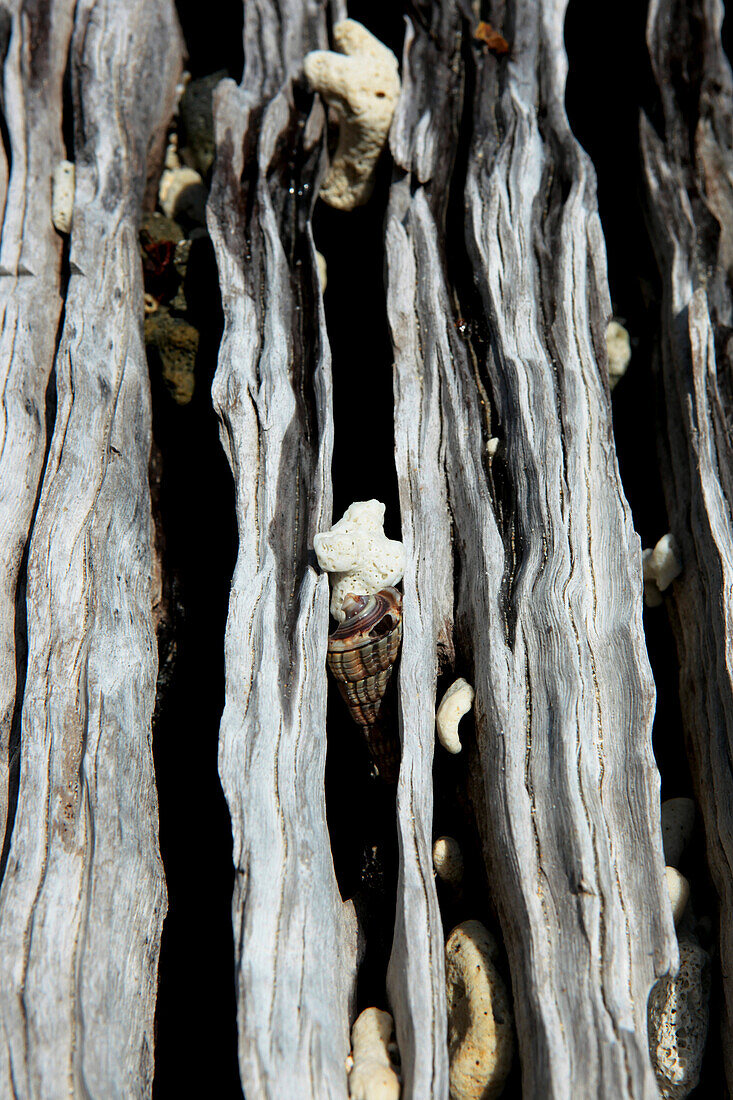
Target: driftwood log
point(689, 170)
point(523, 565)
point(83, 895)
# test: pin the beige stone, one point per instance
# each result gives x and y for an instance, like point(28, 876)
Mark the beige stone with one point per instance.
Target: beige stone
point(679, 892)
point(480, 1033)
point(62, 195)
point(448, 860)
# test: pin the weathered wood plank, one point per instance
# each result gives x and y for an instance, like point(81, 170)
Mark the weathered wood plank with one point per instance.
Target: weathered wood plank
point(34, 45)
point(689, 172)
point(418, 315)
point(83, 898)
point(295, 940)
point(549, 608)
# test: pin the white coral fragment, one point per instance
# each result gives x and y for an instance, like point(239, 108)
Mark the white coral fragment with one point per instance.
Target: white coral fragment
point(456, 702)
point(372, 1075)
point(361, 82)
point(661, 566)
point(62, 196)
point(678, 1022)
point(358, 554)
point(174, 184)
point(480, 1039)
point(448, 860)
point(678, 889)
point(618, 346)
point(678, 819)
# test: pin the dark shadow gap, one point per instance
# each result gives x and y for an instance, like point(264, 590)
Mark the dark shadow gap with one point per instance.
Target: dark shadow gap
point(360, 807)
point(196, 539)
point(196, 1010)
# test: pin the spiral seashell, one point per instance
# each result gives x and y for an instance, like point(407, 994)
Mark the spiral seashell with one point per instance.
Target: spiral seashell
point(362, 653)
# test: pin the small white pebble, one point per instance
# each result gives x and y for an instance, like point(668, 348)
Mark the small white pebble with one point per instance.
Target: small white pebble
point(448, 860)
point(679, 892)
point(62, 196)
point(665, 561)
point(618, 346)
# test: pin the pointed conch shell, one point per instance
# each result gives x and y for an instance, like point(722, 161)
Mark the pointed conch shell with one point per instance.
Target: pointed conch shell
point(362, 653)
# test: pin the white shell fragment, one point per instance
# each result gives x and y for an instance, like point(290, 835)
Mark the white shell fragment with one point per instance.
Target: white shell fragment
point(678, 819)
point(358, 554)
point(480, 1040)
point(448, 860)
point(618, 346)
point(372, 1075)
point(679, 892)
point(322, 271)
point(661, 565)
point(456, 702)
point(361, 82)
point(678, 1022)
point(62, 196)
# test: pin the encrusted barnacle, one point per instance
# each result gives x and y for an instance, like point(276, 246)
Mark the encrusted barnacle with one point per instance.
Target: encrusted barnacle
point(362, 653)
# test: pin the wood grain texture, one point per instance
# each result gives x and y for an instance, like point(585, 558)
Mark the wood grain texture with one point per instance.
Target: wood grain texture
point(418, 315)
point(83, 898)
point(295, 940)
point(549, 604)
point(689, 172)
point(33, 47)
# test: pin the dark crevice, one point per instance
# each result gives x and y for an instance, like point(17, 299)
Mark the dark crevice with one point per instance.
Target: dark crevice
point(473, 326)
point(196, 541)
point(360, 806)
point(6, 24)
point(607, 126)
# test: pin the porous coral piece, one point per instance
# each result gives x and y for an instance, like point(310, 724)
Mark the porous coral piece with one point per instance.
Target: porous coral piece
point(678, 1022)
point(372, 1075)
point(480, 1034)
point(678, 819)
point(618, 346)
point(359, 555)
point(62, 195)
point(362, 84)
point(456, 702)
point(448, 860)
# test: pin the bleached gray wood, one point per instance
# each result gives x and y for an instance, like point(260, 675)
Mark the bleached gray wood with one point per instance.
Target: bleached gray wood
point(418, 316)
point(83, 898)
point(549, 608)
point(295, 940)
point(30, 303)
point(689, 173)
